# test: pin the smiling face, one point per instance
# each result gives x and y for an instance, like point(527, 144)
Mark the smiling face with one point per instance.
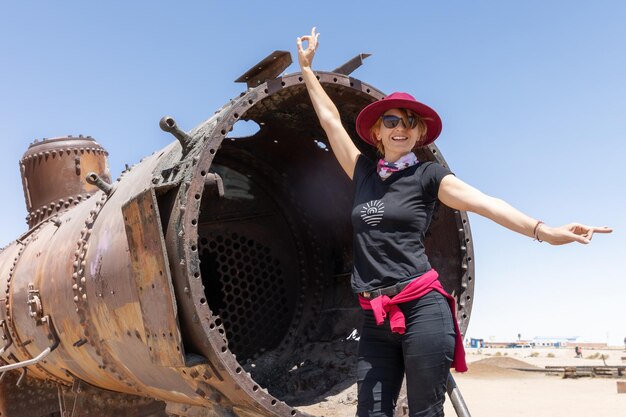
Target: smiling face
point(401, 139)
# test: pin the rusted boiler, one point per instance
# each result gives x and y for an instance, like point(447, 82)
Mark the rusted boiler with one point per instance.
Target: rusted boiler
point(212, 278)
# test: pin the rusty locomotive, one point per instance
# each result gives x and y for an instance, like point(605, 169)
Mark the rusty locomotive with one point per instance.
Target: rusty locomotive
point(212, 278)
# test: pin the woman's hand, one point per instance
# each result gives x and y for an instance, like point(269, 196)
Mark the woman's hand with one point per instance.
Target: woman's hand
point(305, 56)
point(344, 149)
point(573, 232)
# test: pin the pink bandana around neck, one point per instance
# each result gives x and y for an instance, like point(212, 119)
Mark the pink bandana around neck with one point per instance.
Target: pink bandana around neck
point(385, 169)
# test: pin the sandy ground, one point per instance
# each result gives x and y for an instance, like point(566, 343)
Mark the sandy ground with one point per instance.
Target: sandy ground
point(492, 388)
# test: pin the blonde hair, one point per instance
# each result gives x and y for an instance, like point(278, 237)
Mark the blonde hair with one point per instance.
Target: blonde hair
point(421, 126)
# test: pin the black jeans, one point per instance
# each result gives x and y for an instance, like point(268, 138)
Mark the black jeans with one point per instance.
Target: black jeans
point(424, 352)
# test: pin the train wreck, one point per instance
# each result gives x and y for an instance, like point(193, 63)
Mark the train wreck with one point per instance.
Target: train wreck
point(210, 279)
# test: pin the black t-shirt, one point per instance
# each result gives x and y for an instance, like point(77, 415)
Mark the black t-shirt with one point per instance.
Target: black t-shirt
point(389, 219)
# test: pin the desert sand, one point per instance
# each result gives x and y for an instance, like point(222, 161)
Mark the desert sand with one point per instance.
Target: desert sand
point(494, 388)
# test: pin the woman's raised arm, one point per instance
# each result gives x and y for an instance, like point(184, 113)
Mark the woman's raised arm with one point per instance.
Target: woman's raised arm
point(327, 113)
point(458, 195)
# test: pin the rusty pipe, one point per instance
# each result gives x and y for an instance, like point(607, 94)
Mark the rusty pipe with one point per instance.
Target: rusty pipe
point(29, 362)
point(168, 124)
point(94, 179)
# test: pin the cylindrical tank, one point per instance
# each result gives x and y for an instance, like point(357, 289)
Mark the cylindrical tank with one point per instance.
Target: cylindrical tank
point(212, 277)
point(54, 171)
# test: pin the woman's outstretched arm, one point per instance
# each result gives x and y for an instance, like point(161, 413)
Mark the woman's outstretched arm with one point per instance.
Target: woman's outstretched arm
point(458, 195)
point(327, 113)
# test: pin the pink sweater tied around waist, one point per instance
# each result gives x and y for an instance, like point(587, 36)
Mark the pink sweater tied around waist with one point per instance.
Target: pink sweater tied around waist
point(384, 305)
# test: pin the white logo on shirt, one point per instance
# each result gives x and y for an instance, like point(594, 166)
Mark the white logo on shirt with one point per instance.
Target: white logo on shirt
point(372, 212)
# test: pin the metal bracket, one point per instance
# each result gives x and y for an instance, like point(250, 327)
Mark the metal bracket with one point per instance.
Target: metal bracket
point(268, 69)
point(5, 336)
point(350, 66)
point(214, 182)
point(34, 305)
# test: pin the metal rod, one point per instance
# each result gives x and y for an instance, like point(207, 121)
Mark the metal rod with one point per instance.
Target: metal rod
point(456, 398)
point(5, 336)
point(29, 362)
point(21, 378)
point(3, 348)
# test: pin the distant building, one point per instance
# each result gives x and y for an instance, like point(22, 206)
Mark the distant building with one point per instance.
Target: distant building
point(541, 341)
point(514, 344)
point(565, 342)
point(477, 343)
point(538, 341)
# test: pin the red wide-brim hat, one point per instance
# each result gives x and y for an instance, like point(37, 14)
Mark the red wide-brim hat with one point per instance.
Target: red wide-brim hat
point(370, 114)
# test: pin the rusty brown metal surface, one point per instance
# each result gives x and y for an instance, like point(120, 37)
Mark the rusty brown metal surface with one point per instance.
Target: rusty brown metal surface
point(152, 275)
point(213, 276)
point(351, 65)
point(53, 174)
point(267, 69)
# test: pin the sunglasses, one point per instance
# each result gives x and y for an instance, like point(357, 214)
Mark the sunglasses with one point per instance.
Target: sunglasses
point(391, 121)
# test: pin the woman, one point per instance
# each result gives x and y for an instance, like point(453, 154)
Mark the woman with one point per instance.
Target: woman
point(393, 204)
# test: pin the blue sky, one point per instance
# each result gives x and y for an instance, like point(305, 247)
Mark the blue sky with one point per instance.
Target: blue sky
point(532, 96)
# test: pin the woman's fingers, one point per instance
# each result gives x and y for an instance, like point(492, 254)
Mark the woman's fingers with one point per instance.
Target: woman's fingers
point(299, 41)
point(311, 39)
point(573, 232)
point(582, 233)
point(305, 55)
point(306, 39)
point(592, 230)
